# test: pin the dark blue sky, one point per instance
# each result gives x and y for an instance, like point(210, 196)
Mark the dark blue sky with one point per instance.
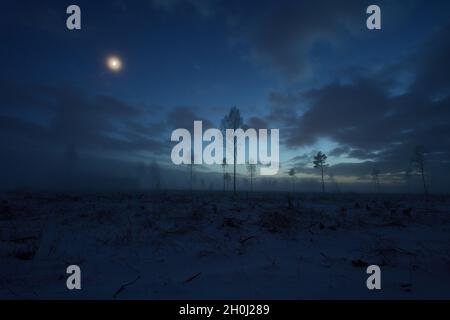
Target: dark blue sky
point(310, 68)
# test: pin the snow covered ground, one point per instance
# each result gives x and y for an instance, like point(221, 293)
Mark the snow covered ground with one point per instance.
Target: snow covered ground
point(167, 245)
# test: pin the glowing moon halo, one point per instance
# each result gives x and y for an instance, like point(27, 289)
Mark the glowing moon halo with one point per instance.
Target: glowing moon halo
point(114, 63)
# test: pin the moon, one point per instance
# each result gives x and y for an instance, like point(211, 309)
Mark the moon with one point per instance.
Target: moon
point(114, 63)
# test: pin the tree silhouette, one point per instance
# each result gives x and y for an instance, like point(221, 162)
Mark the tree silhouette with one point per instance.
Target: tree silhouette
point(292, 174)
point(407, 176)
point(320, 162)
point(224, 167)
point(376, 179)
point(191, 171)
point(333, 180)
point(418, 161)
point(233, 121)
point(227, 179)
point(251, 169)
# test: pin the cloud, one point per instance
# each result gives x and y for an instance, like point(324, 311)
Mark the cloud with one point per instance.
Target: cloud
point(67, 117)
point(284, 108)
point(59, 137)
point(257, 123)
point(339, 151)
point(286, 35)
point(338, 111)
point(66, 127)
point(205, 8)
point(432, 60)
point(371, 124)
point(362, 114)
point(184, 117)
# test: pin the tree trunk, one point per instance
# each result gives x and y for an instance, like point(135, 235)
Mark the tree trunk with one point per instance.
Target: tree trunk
point(323, 183)
point(191, 179)
point(234, 166)
point(192, 194)
point(224, 179)
point(423, 182)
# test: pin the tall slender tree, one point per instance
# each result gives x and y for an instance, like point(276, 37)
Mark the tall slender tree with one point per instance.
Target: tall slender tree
point(407, 177)
point(233, 121)
point(292, 174)
point(191, 171)
point(320, 163)
point(418, 161)
point(224, 169)
point(334, 181)
point(251, 169)
point(227, 180)
point(376, 179)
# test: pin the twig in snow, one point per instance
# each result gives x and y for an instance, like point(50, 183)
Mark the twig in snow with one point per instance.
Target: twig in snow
point(122, 287)
point(243, 240)
point(192, 278)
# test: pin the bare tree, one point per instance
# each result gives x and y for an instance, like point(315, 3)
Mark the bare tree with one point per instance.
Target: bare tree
point(376, 179)
point(418, 161)
point(292, 174)
point(333, 180)
point(320, 162)
point(224, 168)
point(191, 171)
point(407, 177)
point(233, 121)
point(251, 169)
point(227, 179)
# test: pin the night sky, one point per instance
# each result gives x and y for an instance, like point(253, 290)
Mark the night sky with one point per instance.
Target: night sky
point(310, 68)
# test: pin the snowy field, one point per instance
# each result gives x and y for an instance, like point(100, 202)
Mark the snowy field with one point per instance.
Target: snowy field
point(167, 245)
